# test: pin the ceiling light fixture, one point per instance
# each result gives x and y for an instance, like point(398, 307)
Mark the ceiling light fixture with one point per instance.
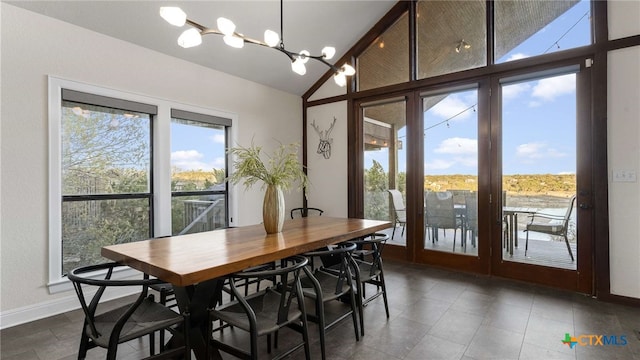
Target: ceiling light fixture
point(193, 37)
point(462, 45)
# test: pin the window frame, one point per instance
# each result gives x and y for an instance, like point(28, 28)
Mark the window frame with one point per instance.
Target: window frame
point(160, 166)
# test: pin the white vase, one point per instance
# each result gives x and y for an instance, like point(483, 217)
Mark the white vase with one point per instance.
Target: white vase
point(273, 209)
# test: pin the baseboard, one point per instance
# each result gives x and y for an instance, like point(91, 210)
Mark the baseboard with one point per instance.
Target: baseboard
point(46, 309)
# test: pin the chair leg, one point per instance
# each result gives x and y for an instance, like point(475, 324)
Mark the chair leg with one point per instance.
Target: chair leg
point(393, 232)
point(566, 240)
point(526, 244)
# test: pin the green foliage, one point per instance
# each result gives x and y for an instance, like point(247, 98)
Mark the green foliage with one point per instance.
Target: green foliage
point(376, 197)
point(282, 168)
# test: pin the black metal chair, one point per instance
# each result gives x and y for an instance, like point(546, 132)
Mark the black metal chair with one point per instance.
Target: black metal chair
point(144, 316)
point(332, 281)
point(266, 311)
point(369, 270)
point(305, 212)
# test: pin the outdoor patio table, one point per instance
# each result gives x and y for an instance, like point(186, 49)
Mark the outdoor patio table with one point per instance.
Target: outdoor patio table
point(511, 213)
point(193, 263)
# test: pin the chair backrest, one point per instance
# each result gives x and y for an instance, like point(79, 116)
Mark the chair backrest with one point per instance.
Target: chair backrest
point(288, 287)
point(338, 258)
point(567, 214)
point(398, 204)
point(440, 211)
point(99, 276)
point(471, 211)
point(304, 212)
point(370, 250)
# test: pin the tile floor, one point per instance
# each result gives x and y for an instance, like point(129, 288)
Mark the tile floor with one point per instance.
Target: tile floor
point(435, 314)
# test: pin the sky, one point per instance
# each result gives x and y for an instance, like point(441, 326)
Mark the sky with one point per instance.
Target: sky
point(197, 148)
point(539, 121)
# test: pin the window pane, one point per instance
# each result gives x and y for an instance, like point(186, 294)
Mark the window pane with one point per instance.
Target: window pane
point(451, 172)
point(89, 225)
point(386, 61)
point(192, 214)
point(198, 163)
point(539, 166)
point(385, 153)
point(104, 150)
point(451, 36)
point(530, 28)
point(198, 159)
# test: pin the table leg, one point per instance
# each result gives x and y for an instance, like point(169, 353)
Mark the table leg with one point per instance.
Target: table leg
point(197, 300)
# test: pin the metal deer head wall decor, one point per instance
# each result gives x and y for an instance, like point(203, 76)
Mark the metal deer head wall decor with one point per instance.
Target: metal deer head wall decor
point(324, 147)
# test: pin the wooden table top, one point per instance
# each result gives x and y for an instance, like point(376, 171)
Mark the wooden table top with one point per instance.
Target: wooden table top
point(189, 259)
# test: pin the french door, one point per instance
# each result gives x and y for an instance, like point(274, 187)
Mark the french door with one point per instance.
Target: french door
point(541, 177)
point(494, 175)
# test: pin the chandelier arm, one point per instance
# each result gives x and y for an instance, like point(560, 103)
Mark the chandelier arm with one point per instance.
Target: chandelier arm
point(290, 54)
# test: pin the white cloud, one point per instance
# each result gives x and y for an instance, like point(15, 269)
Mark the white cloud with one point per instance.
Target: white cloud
point(514, 90)
point(457, 145)
point(189, 160)
point(550, 88)
point(451, 106)
point(218, 138)
point(537, 150)
point(437, 164)
point(517, 56)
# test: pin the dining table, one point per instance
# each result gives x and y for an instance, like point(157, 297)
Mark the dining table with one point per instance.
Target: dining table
point(195, 264)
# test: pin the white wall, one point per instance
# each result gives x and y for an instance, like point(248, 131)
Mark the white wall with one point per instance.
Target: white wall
point(328, 190)
point(623, 138)
point(35, 46)
point(624, 155)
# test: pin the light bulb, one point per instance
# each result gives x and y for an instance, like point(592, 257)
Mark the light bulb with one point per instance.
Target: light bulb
point(304, 56)
point(298, 67)
point(348, 70)
point(173, 15)
point(328, 52)
point(226, 26)
point(271, 38)
point(190, 38)
point(234, 41)
point(340, 79)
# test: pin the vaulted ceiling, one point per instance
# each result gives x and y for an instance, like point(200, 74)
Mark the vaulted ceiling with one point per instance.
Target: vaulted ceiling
point(308, 25)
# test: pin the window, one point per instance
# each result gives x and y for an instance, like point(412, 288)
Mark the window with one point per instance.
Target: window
point(530, 28)
point(451, 36)
point(386, 60)
point(111, 177)
point(106, 164)
point(198, 171)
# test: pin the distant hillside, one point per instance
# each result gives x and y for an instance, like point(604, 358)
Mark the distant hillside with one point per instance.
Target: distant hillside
point(534, 184)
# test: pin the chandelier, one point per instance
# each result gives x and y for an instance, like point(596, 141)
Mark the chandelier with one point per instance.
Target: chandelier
point(193, 37)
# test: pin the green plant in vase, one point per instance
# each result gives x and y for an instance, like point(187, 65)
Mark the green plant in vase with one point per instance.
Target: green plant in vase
point(278, 172)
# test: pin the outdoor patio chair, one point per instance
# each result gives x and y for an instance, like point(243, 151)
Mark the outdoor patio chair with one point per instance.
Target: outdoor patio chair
point(400, 211)
point(553, 225)
point(142, 317)
point(440, 213)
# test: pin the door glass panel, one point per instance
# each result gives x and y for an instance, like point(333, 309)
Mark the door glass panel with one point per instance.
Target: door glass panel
point(530, 28)
point(451, 172)
point(539, 171)
point(451, 36)
point(385, 146)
